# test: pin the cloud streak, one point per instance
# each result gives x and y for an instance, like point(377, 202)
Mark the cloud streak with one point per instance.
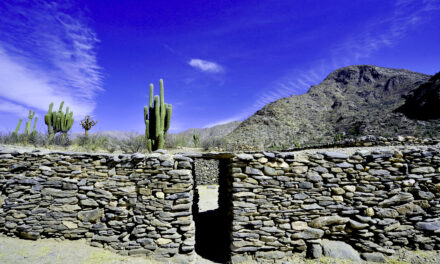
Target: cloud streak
point(47, 54)
point(407, 15)
point(205, 66)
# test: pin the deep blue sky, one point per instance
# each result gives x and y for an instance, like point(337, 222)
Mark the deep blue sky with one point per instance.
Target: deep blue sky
point(220, 60)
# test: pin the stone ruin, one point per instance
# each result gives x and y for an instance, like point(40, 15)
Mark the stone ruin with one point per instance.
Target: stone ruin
point(271, 204)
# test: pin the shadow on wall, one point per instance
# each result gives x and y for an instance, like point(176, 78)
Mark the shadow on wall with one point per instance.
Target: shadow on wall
point(212, 236)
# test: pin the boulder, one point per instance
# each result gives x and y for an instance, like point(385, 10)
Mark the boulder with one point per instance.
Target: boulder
point(400, 198)
point(91, 215)
point(328, 220)
point(429, 226)
point(423, 170)
point(387, 213)
point(373, 257)
point(338, 249)
point(314, 251)
point(309, 233)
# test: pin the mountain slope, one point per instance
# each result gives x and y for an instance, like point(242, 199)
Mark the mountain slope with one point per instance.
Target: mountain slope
point(353, 100)
point(424, 102)
point(210, 133)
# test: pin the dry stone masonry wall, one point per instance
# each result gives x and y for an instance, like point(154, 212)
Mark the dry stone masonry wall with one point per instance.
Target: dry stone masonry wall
point(206, 171)
point(275, 203)
point(377, 201)
point(134, 204)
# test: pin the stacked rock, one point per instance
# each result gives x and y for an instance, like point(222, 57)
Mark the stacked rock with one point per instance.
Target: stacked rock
point(377, 201)
point(135, 204)
point(206, 171)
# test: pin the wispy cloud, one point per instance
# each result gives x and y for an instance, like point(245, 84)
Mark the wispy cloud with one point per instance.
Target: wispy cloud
point(224, 121)
point(47, 54)
point(206, 66)
point(407, 15)
point(8, 107)
point(377, 34)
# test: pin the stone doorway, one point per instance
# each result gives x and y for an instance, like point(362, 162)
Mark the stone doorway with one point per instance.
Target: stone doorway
point(212, 214)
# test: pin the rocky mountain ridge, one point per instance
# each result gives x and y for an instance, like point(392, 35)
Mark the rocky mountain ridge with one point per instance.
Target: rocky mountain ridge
point(349, 102)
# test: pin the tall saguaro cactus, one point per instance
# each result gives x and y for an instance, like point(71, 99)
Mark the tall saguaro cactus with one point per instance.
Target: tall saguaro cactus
point(157, 117)
point(58, 121)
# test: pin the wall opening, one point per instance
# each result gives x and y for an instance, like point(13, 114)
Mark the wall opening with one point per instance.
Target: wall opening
point(211, 211)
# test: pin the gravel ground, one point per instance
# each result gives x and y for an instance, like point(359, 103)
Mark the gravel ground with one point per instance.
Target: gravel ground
point(51, 251)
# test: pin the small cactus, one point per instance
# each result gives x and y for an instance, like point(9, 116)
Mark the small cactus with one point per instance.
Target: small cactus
point(196, 139)
point(87, 124)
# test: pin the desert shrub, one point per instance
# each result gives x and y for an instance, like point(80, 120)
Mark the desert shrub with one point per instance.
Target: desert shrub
point(134, 144)
point(213, 143)
point(339, 137)
point(61, 140)
point(95, 143)
point(35, 139)
point(176, 142)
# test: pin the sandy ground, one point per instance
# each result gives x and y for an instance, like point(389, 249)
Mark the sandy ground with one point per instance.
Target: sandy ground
point(208, 197)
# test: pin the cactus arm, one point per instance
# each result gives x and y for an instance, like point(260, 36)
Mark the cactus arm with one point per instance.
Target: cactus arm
point(18, 126)
point(71, 120)
point(48, 121)
point(149, 145)
point(162, 106)
point(150, 103)
point(156, 122)
point(168, 118)
point(34, 131)
point(27, 128)
point(61, 106)
point(147, 129)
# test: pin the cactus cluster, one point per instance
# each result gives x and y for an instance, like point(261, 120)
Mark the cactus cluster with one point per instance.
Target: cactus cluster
point(27, 128)
point(157, 117)
point(87, 124)
point(58, 121)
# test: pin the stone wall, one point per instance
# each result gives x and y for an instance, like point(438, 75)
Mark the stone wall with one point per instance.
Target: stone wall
point(272, 203)
point(372, 141)
point(133, 204)
point(376, 201)
point(206, 171)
